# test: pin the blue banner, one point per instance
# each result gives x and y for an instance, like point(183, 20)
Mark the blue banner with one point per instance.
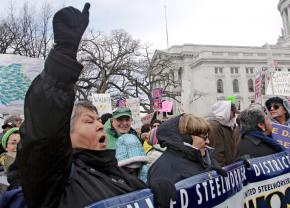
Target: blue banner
point(267, 178)
point(282, 134)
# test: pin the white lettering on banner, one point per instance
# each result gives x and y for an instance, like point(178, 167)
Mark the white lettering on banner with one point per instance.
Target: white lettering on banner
point(149, 203)
point(271, 166)
point(184, 198)
point(234, 179)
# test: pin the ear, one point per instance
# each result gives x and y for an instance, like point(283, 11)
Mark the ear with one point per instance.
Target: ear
point(262, 126)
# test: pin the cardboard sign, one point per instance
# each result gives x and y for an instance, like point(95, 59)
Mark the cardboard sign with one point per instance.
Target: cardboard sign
point(134, 105)
point(102, 103)
point(279, 84)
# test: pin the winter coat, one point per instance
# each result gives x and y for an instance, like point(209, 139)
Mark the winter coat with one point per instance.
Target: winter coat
point(178, 161)
point(221, 133)
point(112, 135)
point(287, 108)
point(254, 147)
point(52, 173)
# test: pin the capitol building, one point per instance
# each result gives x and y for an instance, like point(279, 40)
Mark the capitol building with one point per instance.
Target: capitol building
point(209, 73)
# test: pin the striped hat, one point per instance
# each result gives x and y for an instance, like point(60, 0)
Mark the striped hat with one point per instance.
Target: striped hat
point(152, 137)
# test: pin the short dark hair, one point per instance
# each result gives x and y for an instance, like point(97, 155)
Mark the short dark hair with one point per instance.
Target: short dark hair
point(155, 121)
point(145, 128)
point(105, 117)
point(251, 117)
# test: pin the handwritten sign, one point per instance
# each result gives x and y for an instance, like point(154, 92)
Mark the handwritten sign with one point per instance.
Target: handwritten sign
point(102, 103)
point(134, 105)
point(279, 84)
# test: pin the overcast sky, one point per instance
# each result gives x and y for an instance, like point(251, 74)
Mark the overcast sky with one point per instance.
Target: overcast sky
point(218, 22)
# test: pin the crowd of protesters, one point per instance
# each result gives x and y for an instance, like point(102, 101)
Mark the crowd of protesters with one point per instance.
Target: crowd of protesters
point(70, 156)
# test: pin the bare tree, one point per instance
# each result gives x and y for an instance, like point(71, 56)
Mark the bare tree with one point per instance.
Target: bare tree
point(106, 59)
point(27, 33)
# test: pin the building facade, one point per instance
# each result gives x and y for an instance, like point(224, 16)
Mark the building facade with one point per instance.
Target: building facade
point(208, 73)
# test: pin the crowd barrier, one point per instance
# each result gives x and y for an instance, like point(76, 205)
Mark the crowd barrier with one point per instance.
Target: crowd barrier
point(266, 183)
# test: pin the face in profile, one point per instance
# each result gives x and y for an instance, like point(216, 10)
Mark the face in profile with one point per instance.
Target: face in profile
point(88, 132)
point(12, 142)
point(122, 124)
point(200, 142)
point(268, 125)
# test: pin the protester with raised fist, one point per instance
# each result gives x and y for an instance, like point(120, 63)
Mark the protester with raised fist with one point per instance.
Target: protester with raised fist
point(62, 156)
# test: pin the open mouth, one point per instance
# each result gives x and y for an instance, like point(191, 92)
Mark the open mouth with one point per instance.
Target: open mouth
point(102, 139)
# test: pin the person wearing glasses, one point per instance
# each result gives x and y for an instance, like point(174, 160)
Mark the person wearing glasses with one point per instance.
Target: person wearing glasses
point(187, 153)
point(256, 130)
point(279, 109)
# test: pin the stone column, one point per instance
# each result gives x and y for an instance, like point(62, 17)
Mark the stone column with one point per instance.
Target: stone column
point(284, 19)
point(288, 20)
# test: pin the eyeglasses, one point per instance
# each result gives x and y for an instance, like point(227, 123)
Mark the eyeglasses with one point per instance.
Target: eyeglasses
point(205, 137)
point(274, 106)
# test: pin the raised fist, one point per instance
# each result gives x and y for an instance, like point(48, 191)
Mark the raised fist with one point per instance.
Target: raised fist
point(69, 25)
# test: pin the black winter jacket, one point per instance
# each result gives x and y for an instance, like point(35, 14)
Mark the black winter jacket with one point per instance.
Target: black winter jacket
point(178, 161)
point(52, 173)
point(254, 147)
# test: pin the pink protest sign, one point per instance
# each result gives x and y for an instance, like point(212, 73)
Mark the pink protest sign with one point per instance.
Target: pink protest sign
point(167, 106)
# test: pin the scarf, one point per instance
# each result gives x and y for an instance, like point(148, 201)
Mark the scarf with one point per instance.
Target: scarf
point(269, 140)
point(100, 160)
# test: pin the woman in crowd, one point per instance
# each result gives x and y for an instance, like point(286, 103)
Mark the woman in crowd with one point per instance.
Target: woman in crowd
point(256, 130)
point(279, 110)
point(187, 153)
point(9, 142)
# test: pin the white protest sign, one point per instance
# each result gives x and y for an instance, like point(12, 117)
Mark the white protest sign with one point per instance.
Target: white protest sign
point(102, 103)
point(134, 105)
point(279, 84)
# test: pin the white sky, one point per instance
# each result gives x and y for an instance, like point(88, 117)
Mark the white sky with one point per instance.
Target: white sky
point(218, 22)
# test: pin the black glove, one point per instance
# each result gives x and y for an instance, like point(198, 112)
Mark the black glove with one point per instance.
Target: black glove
point(245, 159)
point(163, 191)
point(219, 170)
point(69, 25)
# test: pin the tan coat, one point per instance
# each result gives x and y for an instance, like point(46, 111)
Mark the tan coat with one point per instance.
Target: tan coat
point(221, 139)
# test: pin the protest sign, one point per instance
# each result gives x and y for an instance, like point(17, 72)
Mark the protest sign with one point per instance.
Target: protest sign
point(16, 74)
point(157, 98)
point(279, 84)
point(282, 134)
point(102, 103)
point(147, 119)
point(134, 105)
point(167, 106)
point(264, 184)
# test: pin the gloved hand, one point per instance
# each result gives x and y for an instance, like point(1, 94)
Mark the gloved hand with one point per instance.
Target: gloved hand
point(245, 159)
point(69, 25)
point(219, 170)
point(163, 191)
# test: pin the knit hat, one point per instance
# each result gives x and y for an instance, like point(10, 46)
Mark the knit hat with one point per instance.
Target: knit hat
point(7, 135)
point(152, 137)
point(122, 112)
point(129, 150)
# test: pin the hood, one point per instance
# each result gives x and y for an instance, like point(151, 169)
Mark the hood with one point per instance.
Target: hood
point(286, 105)
point(221, 112)
point(168, 136)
